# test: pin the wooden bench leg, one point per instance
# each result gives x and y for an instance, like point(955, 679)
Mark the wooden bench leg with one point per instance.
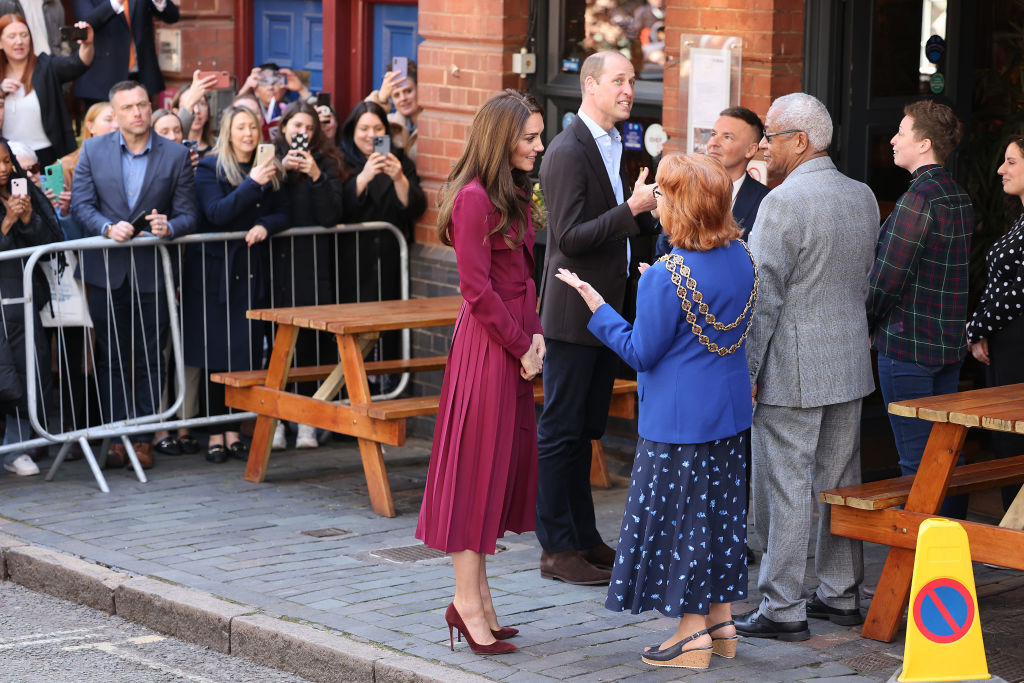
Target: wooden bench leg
point(259, 451)
point(350, 351)
point(890, 601)
point(598, 466)
point(926, 495)
point(277, 377)
point(376, 478)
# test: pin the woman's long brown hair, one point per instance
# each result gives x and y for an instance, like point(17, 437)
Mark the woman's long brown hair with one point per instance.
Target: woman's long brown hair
point(492, 139)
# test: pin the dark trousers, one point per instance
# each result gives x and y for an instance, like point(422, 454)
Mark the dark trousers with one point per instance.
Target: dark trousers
point(902, 381)
point(1007, 367)
point(578, 384)
point(131, 329)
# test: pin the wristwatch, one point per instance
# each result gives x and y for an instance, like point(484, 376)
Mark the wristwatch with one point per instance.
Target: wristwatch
point(106, 230)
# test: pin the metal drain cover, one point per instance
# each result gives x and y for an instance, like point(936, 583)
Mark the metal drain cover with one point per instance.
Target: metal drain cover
point(414, 553)
point(408, 553)
point(325, 533)
point(870, 662)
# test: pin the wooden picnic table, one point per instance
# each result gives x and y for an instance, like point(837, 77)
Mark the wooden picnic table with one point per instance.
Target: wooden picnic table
point(357, 327)
point(871, 512)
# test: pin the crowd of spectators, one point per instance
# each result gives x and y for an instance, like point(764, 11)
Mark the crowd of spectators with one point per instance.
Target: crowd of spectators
point(279, 158)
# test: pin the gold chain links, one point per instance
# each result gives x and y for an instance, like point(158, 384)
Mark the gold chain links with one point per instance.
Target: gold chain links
point(679, 270)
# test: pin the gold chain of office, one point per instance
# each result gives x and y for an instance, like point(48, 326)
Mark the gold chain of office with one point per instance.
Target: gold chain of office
point(676, 265)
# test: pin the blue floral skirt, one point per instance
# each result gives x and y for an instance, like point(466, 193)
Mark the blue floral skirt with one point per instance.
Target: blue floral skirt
point(683, 542)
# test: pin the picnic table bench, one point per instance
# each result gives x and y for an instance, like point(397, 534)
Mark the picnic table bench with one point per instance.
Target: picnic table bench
point(357, 327)
point(872, 512)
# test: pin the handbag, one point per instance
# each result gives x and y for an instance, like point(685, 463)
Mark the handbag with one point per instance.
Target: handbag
point(69, 306)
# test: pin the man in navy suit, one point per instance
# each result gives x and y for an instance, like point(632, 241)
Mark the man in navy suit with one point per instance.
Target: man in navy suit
point(734, 141)
point(125, 46)
point(121, 176)
point(592, 213)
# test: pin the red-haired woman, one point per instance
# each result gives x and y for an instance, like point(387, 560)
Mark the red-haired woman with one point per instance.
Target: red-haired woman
point(34, 102)
point(682, 546)
point(482, 480)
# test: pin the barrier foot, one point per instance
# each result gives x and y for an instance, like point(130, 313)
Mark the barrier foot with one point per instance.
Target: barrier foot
point(97, 473)
point(61, 454)
point(133, 459)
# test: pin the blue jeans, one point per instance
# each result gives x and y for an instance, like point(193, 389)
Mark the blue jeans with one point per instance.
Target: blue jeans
point(18, 429)
point(902, 381)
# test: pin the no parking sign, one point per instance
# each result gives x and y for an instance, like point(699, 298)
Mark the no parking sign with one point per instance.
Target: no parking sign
point(943, 631)
point(944, 610)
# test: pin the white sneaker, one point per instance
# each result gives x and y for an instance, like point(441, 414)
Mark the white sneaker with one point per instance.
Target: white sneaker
point(23, 466)
point(307, 437)
point(279, 443)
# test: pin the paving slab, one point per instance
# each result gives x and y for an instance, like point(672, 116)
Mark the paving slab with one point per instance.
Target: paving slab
point(198, 540)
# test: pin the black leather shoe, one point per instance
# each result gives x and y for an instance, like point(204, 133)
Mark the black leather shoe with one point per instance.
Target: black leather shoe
point(816, 609)
point(753, 624)
point(216, 453)
point(168, 446)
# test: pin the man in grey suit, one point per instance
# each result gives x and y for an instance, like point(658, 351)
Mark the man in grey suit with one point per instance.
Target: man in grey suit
point(810, 366)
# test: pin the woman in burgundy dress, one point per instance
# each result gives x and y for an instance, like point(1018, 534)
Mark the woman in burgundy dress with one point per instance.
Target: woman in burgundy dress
point(482, 480)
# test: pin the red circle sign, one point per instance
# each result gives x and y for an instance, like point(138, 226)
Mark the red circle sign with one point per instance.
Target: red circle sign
point(943, 610)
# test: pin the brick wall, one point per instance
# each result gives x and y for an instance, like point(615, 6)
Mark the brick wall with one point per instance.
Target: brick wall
point(207, 39)
point(772, 63)
point(466, 57)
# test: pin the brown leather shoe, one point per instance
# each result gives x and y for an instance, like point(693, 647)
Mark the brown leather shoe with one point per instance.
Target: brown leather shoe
point(117, 456)
point(601, 556)
point(144, 452)
point(570, 567)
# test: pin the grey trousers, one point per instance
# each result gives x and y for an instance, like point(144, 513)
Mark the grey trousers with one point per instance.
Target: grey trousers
point(797, 452)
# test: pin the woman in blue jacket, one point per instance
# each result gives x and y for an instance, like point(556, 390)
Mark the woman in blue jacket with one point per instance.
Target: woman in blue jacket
point(222, 280)
point(682, 546)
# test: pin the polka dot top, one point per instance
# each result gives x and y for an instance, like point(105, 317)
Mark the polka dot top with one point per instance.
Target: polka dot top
point(1003, 298)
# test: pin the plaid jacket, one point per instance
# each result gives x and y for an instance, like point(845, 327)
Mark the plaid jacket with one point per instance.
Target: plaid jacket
point(917, 295)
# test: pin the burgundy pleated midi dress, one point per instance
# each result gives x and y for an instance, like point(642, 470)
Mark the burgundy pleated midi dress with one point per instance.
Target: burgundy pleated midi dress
point(482, 480)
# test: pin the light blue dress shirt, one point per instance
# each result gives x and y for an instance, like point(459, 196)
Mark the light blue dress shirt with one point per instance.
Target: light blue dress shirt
point(133, 169)
point(609, 143)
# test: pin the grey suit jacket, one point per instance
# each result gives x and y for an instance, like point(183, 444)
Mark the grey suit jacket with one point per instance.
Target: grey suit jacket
point(814, 243)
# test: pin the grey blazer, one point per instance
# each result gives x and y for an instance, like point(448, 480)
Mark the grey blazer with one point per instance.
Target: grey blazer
point(814, 243)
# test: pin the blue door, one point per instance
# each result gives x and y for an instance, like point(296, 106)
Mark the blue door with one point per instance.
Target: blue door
point(290, 33)
point(394, 35)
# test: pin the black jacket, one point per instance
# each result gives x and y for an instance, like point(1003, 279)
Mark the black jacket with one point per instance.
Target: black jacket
point(41, 229)
point(587, 232)
point(113, 41)
point(304, 267)
point(49, 74)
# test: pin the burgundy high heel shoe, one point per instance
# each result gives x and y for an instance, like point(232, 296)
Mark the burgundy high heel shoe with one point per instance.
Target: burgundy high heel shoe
point(455, 623)
point(504, 632)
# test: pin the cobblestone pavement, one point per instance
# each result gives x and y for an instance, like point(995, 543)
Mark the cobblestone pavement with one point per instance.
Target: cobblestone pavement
point(203, 526)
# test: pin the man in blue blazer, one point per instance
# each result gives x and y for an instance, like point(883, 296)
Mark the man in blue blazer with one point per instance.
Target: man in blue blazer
point(734, 141)
point(121, 176)
point(125, 46)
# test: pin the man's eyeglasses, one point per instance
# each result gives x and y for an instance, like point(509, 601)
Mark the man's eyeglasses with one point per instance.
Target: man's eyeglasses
point(768, 136)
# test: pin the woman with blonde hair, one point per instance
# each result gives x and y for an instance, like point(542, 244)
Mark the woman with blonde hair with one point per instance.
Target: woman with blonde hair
point(682, 544)
point(222, 280)
point(482, 480)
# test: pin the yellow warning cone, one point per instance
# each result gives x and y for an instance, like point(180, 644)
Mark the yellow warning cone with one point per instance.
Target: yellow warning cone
point(943, 627)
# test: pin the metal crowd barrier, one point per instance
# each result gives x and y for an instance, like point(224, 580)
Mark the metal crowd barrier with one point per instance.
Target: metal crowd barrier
point(67, 416)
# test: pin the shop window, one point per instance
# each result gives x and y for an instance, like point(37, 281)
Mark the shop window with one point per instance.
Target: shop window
point(636, 28)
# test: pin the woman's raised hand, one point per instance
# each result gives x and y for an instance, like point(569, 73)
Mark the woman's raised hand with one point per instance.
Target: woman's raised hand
point(589, 294)
point(263, 173)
